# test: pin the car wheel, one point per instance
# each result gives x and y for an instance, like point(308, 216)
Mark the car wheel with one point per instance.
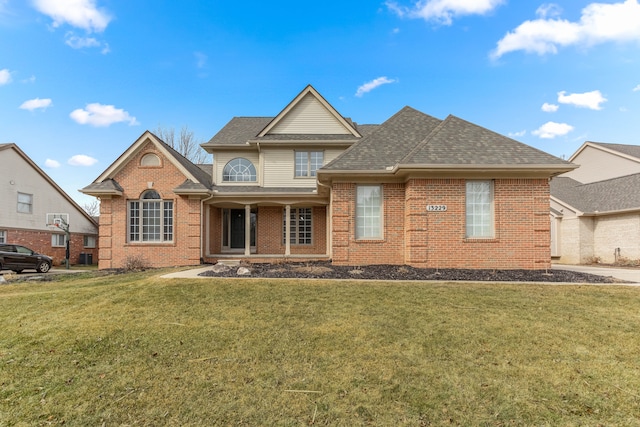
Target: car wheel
point(43, 267)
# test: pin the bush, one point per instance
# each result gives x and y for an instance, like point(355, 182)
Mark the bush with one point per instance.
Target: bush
point(135, 263)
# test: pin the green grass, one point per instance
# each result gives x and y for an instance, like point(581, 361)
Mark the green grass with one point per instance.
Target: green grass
point(136, 349)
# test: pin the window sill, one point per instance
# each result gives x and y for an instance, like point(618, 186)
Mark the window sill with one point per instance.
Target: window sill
point(481, 240)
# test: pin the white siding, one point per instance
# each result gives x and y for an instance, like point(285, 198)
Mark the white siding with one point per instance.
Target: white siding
point(279, 164)
point(617, 231)
point(597, 165)
point(18, 176)
point(309, 116)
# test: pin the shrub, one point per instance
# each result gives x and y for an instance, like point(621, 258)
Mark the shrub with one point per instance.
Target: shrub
point(135, 263)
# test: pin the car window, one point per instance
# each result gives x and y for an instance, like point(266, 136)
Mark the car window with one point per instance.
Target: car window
point(23, 250)
point(7, 248)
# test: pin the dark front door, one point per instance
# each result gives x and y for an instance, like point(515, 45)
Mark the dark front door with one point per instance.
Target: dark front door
point(237, 228)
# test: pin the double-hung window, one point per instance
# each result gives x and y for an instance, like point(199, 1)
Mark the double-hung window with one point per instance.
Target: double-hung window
point(308, 162)
point(150, 219)
point(58, 240)
point(3, 236)
point(369, 212)
point(25, 203)
point(299, 225)
point(479, 210)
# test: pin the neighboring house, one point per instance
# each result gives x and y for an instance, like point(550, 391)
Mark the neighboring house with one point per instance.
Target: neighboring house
point(31, 199)
point(595, 209)
point(312, 184)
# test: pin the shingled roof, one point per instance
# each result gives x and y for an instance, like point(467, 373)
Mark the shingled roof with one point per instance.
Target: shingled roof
point(611, 195)
point(629, 150)
point(388, 144)
point(412, 138)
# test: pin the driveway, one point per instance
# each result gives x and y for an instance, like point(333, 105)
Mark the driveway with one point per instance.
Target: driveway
point(627, 274)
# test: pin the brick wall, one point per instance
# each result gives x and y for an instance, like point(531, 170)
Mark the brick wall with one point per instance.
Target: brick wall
point(40, 241)
point(347, 250)
point(135, 179)
point(419, 238)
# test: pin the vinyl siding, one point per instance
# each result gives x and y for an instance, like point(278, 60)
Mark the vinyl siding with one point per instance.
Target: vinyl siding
point(279, 167)
point(598, 165)
point(309, 116)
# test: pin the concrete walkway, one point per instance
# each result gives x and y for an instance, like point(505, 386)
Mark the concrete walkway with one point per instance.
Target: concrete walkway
point(627, 274)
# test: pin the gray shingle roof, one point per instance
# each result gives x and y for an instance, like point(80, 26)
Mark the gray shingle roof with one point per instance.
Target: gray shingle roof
point(388, 143)
point(203, 177)
point(239, 130)
point(459, 142)
point(603, 196)
point(411, 137)
point(108, 185)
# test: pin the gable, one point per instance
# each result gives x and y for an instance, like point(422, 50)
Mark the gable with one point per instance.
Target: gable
point(603, 161)
point(24, 176)
point(309, 114)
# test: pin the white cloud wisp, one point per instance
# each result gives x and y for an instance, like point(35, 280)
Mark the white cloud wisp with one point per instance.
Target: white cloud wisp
point(549, 108)
point(100, 115)
point(77, 13)
point(36, 104)
point(369, 86)
point(550, 130)
point(5, 76)
point(82, 160)
point(591, 100)
point(50, 163)
point(443, 11)
point(599, 23)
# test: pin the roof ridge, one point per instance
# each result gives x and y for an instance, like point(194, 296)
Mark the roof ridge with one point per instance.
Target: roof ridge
point(426, 139)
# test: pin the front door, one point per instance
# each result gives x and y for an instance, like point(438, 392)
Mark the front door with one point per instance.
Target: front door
point(236, 218)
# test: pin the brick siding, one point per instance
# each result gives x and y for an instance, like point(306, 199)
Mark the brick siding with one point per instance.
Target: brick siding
point(115, 250)
point(40, 241)
point(419, 238)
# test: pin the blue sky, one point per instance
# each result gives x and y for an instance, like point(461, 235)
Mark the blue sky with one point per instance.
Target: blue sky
point(81, 80)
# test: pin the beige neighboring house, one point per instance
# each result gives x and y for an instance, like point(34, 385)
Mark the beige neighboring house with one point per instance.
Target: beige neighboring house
point(30, 199)
point(595, 209)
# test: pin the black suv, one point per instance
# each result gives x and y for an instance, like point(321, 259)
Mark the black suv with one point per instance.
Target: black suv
point(18, 258)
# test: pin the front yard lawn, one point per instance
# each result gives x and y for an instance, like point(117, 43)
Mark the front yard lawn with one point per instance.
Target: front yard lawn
point(136, 349)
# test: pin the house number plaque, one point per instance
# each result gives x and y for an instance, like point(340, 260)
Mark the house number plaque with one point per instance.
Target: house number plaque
point(436, 208)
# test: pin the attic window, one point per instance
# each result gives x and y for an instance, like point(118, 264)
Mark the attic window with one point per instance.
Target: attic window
point(150, 159)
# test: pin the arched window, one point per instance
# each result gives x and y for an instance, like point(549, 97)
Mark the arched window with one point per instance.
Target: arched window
point(150, 218)
point(150, 159)
point(239, 170)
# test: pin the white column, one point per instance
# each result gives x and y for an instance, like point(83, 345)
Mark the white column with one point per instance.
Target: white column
point(247, 230)
point(287, 232)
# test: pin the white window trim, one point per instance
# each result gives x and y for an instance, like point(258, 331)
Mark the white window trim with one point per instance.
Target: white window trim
point(380, 235)
point(308, 174)
point(140, 232)
point(291, 224)
point(492, 232)
point(3, 236)
point(87, 238)
point(30, 204)
point(56, 244)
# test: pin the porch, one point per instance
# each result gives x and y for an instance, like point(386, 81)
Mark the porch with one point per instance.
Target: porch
point(257, 232)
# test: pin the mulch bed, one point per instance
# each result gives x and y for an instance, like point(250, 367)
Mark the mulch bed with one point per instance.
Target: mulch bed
point(325, 270)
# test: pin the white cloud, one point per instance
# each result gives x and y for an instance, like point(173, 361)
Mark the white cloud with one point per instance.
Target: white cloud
point(549, 108)
point(5, 76)
point(599, 23)
point(50, 163)
point(369, 86)
point(636, 89)
point(101, 115)
point(82, 160)
point(77, 13)
point(550, 130)
point(77, 42)
point(443, 11)
point(36, 103)
point(591, 100)
point(548, 10)
point(201, 59)
point(517, 134)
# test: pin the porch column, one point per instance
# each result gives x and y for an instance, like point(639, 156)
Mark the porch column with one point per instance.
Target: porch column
point(247, 230)
point(287, 230)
